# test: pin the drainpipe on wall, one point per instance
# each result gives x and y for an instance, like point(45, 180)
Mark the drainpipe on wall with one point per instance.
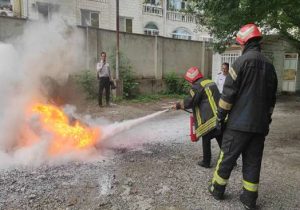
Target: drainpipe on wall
point(165, 17)
point(119, 84)
point(118, 37)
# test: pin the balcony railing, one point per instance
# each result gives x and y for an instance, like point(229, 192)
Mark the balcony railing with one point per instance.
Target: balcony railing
point(152, 32)
point(180, 16)
point(181, 36)
point(152, 10)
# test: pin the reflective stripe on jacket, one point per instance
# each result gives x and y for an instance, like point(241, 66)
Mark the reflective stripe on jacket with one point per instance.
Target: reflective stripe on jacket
point(203, 100)
point(249, 93)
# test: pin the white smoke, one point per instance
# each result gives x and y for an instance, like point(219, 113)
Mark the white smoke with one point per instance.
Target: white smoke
point(43, 51)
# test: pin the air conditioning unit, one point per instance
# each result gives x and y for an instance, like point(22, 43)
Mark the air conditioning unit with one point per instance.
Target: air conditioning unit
point(8, 13)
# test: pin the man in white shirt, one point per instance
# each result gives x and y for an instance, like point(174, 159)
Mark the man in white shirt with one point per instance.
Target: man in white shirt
point(104, 77)
point(222, 76)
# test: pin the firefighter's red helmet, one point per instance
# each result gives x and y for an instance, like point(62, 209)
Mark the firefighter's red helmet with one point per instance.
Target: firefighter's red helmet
point(193, 74)
point(247, 32)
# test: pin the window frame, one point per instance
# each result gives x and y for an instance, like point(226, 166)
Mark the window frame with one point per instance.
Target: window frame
point(90, 13)
point(123, 24)
point(151, 31)
point(182, 36)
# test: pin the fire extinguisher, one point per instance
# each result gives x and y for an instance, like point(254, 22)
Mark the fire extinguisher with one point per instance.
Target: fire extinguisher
point(192, 129)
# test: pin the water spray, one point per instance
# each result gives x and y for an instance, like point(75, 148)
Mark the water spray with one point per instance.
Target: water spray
point(118, 127)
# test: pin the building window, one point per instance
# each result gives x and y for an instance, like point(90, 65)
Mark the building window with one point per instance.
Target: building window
point(151, 29)
point(45, 10)
point(153, 2)
point(126, 24)
point(89, 18)
point(177, 5)
point(4, 3)
point(182, 33)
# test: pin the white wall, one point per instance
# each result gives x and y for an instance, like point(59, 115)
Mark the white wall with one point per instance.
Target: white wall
point(216, 65)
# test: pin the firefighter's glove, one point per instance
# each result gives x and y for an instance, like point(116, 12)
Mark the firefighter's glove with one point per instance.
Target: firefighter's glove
point(221, 115)
point(219, 126)
point(220, 121)
point(178, 105)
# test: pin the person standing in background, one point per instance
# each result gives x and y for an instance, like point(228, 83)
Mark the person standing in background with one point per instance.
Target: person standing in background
point(104, 77)
point(222, 76)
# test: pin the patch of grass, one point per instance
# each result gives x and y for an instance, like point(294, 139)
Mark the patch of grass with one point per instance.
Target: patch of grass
point(118, 99)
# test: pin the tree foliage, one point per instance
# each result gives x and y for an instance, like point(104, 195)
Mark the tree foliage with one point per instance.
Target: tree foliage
point(223, 18)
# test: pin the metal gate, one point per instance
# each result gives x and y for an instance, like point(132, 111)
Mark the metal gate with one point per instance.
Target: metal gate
point(228, 57)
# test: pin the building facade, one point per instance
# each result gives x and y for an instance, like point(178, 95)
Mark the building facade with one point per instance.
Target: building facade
point(283, 55)
point(167, 18)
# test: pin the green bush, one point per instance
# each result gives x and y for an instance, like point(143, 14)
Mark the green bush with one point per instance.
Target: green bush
point(176, 85)
point(129, 83)
point(126, 75)
point(88, 81)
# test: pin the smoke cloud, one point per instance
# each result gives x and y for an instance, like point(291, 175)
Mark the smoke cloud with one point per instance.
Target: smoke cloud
point(27, 64)
point(45, 50)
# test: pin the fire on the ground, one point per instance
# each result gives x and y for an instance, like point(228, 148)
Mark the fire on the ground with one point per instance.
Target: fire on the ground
point(62, 134)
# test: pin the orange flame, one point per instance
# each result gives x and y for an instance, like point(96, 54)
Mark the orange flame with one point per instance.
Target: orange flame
point(65, 136)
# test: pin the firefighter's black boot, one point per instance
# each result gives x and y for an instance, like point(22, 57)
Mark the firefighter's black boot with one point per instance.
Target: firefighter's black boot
point(248, 199)
point(204, 164)
point(217, 191)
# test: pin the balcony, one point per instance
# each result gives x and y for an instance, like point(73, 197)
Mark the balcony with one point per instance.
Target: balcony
point(180, 16)
point(150, 9)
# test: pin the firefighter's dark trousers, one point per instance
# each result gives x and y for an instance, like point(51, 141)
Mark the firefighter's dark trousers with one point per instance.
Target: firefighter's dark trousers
point(251, 146)
point(104, 83)
point(206, 145)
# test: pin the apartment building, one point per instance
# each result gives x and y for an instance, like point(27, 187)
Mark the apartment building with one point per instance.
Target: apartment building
point(166, 18)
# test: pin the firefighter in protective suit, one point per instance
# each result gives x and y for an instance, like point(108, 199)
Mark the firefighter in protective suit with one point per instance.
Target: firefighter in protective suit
point(203, 100)
point(248, 100)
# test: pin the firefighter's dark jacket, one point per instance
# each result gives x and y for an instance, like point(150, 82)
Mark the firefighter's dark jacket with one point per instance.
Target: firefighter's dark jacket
point(203, 100)
point(249, 93)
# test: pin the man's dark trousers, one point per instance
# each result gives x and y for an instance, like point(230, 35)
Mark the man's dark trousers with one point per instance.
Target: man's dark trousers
point(104, 83)
point(206, 145)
